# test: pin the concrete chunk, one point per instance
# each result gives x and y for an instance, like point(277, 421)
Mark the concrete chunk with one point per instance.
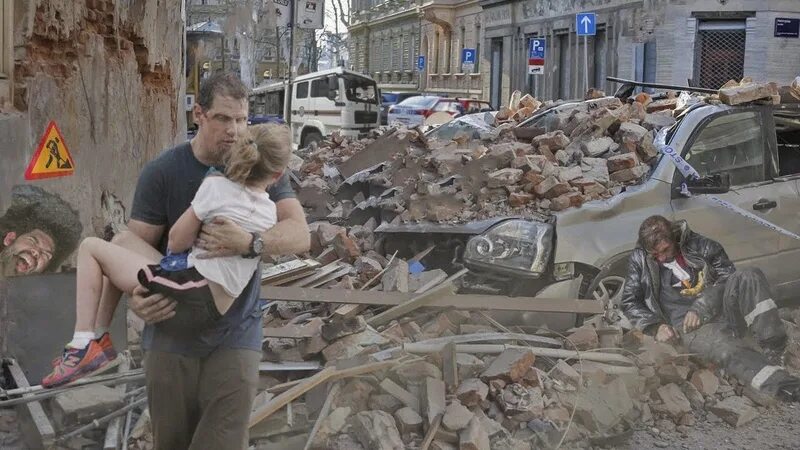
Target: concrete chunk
point(376, 430)
point(504, 177)
point(705, 381)
point(474, 437)
point(584, 338)
point(735, 411)
point(468, 365)
point(555, 140)
point(83, 405)
point(408, 421)
point(341, 327)
point(510, 366)
point(434, 398)
point(675, 402)
point(744, 94)
point(564, 373)
point(596, 147)
point(395, 390)
point(456, 416)
point(416, 372)
point(396, 277)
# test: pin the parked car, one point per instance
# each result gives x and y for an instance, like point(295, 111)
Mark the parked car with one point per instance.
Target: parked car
point(472, 105)
point(583, 252)
point(413, 111)
point(389, 99)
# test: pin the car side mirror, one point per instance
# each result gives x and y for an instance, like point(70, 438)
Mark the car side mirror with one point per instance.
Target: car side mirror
point(718, 183)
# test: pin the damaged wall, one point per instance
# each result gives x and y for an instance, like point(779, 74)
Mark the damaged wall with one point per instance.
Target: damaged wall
point(109, 73)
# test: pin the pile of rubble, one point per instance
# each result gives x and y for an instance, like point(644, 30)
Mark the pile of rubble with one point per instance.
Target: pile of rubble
point(457, 379)
point(592, 151)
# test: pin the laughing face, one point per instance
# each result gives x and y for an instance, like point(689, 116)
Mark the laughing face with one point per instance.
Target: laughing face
point(26, 254)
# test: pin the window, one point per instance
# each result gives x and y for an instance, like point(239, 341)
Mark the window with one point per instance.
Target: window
point(731, 143)
point(5, 38)
point(477, 68)
point(719, 52)
point(787, 129)
point(302, 90)
point(449, 107)
point(319, 88)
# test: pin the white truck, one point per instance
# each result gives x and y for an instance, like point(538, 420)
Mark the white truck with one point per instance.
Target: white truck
point(316, 104)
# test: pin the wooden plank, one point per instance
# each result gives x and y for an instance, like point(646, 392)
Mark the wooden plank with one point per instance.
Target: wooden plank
point(288, 271)
point(418, 301)
point(397, 391)
point(431, 434)
point(457, 301)
point(40, 420)
point(335, 275)
point(322, 272)
point(450, 367)
point(305, 385)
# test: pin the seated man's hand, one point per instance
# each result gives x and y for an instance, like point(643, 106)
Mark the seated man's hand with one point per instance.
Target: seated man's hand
point(665, 333)
point(691, 322)
point(151, 308)
point(223, 237)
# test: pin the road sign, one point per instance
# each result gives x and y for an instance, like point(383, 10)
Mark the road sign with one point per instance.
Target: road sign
point(468, 56)
point(586, 24)
point(420, 63)
point(787, 27)
point(536, 51)
point(51, 158)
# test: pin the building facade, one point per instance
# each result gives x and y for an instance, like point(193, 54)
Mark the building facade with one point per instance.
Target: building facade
point(702, 42)
point(384, 42)
point(448, 27)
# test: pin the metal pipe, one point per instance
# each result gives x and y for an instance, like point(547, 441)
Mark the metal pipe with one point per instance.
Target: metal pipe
point(663, 86)
point(36, 393)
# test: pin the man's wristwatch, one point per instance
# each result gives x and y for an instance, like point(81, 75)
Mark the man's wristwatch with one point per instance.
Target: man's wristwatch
point(256, 246)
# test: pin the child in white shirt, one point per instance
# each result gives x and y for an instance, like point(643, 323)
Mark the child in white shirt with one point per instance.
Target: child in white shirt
point(203, 288)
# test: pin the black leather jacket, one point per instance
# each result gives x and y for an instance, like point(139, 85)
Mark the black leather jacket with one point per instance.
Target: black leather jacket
point(641, 294)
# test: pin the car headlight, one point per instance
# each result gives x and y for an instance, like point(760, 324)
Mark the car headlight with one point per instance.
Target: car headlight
point(518, 245)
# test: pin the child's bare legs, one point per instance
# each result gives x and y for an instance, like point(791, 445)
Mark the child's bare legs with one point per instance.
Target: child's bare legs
point(109, 299)
point(96, 259)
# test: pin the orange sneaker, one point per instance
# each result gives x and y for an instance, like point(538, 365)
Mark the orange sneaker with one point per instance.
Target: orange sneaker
point(108, 347)
point(76, 363)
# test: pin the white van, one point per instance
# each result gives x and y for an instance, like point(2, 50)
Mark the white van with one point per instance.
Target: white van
point(320, 103)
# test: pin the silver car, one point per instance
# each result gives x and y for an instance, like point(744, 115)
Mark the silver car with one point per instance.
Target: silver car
point(751, 155)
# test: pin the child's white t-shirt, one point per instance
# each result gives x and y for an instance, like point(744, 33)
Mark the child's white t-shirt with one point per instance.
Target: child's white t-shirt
point(250, 209)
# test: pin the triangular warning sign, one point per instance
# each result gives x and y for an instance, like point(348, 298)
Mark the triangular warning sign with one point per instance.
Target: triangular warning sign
point(51, 159)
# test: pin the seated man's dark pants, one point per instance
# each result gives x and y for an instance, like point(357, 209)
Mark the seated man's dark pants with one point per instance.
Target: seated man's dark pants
point(747, 305)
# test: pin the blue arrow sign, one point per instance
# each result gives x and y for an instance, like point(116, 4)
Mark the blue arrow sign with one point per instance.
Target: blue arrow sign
point(421, 62)
point(586, 24)
point(468, 56)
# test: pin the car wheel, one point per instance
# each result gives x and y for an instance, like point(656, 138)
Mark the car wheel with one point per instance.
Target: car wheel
point(607, 288)
point(312, 137)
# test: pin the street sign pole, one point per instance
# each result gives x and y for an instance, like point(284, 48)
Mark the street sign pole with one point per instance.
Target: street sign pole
point(585, 66)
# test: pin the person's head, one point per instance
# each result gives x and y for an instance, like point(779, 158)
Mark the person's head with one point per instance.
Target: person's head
point(38, 231)
point(260, 155)
point(657, 239)
point(220, 112)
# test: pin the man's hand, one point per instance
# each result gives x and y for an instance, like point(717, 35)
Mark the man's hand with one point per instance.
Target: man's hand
point(151, 308)
point(665, 333)
point(691, 322)
point(223, 237)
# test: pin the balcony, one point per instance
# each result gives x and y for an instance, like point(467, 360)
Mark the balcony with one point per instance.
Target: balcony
point(456, 83)
point(395, 77)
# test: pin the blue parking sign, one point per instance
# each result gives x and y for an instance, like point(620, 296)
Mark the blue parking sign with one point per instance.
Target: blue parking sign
point(421, 62)
point(468, 56)
point(536, 51)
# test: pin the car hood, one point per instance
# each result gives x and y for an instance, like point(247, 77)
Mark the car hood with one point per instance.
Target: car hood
point(469, 228)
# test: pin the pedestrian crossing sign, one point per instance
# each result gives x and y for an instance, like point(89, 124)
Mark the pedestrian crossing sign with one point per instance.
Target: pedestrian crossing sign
point(51, 158)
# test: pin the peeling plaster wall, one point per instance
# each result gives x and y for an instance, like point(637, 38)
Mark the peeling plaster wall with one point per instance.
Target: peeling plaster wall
point(109, 72)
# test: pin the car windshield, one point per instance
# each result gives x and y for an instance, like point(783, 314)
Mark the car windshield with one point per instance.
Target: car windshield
point(471, 125)
point(420, 102)
point(389, 98)
point(359, 89)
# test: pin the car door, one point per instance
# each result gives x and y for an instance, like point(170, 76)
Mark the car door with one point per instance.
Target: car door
point(735, 142)
point(784, 140)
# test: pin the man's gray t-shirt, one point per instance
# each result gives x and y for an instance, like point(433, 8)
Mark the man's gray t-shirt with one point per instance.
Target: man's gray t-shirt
point(164, 191)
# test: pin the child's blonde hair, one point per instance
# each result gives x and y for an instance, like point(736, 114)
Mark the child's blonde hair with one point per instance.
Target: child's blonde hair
point(262, 152)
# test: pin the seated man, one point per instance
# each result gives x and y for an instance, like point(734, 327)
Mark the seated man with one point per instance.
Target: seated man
point(682, 284)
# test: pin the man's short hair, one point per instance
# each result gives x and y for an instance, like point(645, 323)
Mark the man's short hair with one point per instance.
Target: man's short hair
point(223, 84)
point(655, 229)
point(34, 208)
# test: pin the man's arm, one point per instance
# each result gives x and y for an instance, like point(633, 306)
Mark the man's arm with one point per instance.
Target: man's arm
point(223, 237)
point(149, 233)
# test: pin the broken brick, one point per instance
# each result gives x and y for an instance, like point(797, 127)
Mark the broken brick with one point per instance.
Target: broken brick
point(471, 392)
point(705, 381)
point(396, 277)
point(566, 174)
point(554, 140)
point(346, 247)
point(598, 146)
point(735, 411)
point(565, 373)
point(745, 94)
point(533, 178)
point(474, 437)
point(340, 327)
point(632, 174)
point(560, 203)
point(551, 187)
point(408, 421)
point(621, 162)
point(509, 366)
point(519, 199)
point(675, 402)
point(376, 430)
point(504, 177)
point(416, 372)
point(662, 105)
